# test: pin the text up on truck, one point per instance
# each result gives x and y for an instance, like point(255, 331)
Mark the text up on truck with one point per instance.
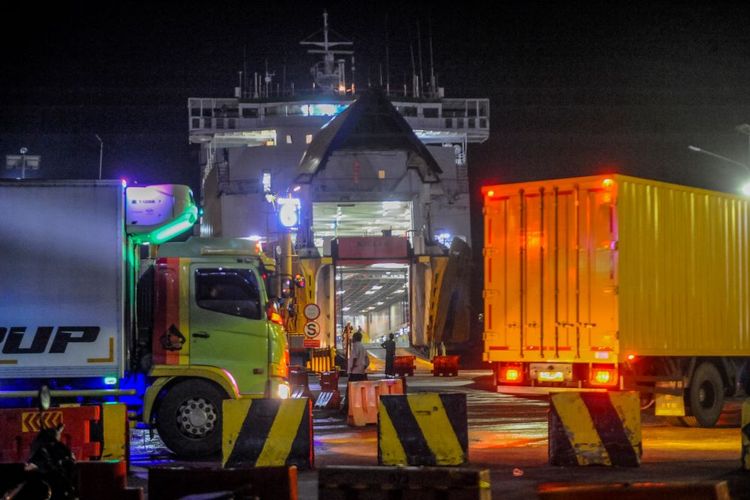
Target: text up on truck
point(98, 305)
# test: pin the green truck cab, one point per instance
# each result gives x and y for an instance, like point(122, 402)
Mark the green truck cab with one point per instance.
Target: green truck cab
point(214, 334)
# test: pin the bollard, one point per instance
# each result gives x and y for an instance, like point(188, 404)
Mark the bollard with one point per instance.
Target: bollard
point(267, 432)
point(595, 428)
point(423, 429)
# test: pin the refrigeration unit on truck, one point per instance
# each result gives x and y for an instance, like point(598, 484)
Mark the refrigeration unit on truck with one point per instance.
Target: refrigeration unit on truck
point(618, 283)
point(174, 333)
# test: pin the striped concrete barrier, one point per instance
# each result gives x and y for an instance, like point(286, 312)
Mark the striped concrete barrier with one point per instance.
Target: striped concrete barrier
point(595, 428)
point(267, 432)
point(423, 429)
point(745, 430)
point(347, 482)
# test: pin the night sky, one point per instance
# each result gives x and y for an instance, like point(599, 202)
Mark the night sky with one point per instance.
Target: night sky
point(575, 88)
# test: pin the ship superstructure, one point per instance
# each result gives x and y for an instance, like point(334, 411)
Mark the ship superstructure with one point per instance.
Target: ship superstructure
point(371, 167)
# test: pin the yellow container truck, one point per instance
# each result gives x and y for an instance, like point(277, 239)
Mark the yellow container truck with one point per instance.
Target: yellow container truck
point(618, 283)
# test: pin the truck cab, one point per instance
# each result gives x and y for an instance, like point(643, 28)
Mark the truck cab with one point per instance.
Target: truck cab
point(213, 333)
point(99, 305)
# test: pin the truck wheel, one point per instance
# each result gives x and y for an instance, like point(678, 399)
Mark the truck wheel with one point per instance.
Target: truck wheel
point(189, 419)
point(705, 396)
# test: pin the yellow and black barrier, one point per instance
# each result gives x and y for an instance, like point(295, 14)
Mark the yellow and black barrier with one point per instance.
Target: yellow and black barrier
point(353, 482)
point(595, 428)
point(745, 429)
point(267, 433)
point(423, 429)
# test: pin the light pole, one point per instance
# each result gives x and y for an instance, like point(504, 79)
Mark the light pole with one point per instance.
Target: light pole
point(745, 189)
point(101, 154)
point(709, 153)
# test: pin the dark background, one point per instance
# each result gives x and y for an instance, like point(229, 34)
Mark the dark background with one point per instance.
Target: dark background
point(575, 88)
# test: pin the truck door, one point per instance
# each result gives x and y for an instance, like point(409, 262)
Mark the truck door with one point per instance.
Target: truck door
point(227, 324)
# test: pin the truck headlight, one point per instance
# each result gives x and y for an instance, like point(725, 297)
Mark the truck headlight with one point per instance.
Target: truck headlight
point(283, 391)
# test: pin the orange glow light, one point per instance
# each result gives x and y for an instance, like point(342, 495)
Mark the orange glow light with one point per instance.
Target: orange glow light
point(607, 183)
point(511, 374)
point(631, 357)
point(490, 193)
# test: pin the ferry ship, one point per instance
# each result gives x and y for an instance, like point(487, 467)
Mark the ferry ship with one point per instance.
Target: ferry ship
point(378, 178)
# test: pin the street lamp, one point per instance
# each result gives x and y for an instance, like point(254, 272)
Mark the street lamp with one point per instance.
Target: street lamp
point(743, 129)
point(709, 153)
point(101, 154)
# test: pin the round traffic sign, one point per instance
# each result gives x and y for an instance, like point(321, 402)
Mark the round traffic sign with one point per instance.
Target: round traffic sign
point(311, 311)
point(312, 329)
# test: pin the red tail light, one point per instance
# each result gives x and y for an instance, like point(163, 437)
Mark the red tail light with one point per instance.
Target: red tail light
point(511, 374)
point(603, 375)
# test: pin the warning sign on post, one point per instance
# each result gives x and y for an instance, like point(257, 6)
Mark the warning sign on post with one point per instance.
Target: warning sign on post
point(311, 311)
point(312, 329)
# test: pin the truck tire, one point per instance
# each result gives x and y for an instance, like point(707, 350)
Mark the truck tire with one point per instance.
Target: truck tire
point(705, 396)
point(189, 418)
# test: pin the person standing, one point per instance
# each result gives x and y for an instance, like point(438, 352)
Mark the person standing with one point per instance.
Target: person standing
point(358, 359)
point(347, 338)
point(390, 355)
point(358, 363)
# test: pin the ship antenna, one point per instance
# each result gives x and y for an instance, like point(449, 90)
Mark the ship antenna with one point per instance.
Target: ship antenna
point(433, 82)
point(413, 71)
point(327, 75)
point(419, 51)
point(387, 61)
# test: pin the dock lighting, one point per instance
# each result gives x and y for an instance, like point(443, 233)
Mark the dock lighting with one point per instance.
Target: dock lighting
point(607, 183)
point(110, 380)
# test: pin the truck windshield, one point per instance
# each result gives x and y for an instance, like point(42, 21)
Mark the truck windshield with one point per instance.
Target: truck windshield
point(228, 291)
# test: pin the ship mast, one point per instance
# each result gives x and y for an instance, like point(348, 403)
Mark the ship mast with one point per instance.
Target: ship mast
point(329, 74)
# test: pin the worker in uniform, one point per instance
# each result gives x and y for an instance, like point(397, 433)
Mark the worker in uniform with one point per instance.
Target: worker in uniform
point(390, 355)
